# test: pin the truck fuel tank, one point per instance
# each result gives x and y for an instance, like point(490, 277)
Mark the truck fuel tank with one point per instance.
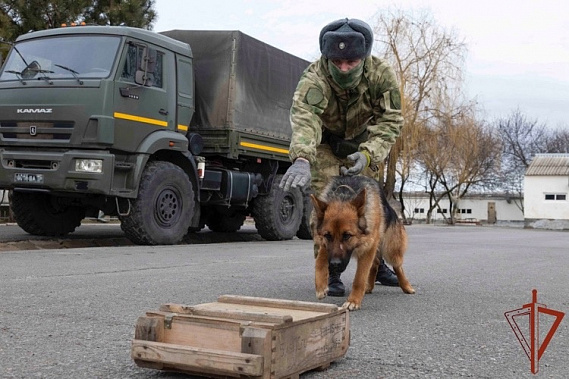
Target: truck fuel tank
point(230, 187)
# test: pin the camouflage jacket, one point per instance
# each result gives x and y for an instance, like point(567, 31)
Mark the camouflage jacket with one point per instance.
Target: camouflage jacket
point(374, 105)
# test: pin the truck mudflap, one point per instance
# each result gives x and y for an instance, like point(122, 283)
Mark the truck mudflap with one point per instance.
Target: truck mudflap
point(304, 232)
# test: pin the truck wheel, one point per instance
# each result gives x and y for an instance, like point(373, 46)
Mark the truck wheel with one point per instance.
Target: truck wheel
point(225, 222)
point(41, 215)
point(161, 213)
point(304, 232)
point(278, 214)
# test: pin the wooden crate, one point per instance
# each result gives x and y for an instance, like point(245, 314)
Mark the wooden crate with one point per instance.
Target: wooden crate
point(240, 336)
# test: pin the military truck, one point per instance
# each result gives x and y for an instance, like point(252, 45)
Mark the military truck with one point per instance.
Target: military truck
point(169, 132)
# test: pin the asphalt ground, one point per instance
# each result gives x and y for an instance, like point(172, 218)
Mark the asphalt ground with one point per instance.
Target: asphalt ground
point(96, 234)
point(71, 312)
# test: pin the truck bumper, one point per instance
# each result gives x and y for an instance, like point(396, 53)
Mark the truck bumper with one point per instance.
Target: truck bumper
point(55, 171)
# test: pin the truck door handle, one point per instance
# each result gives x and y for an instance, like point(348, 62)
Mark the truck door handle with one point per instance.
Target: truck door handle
point(163, 112)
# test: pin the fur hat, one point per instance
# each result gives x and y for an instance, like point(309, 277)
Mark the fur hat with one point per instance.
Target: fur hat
point(346, 39)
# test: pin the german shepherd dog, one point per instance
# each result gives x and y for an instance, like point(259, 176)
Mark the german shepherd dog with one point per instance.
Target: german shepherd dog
point(352, 218)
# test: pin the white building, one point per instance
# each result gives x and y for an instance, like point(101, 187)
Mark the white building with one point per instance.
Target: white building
point(483, 208)
point(546, 192)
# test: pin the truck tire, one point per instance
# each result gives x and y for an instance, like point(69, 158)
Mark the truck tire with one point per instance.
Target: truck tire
point(41, 215)
point(304, 232)
point(162, 212)
point(227, 222)
point(278, 214)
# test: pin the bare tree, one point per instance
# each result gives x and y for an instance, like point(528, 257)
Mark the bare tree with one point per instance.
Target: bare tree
point(521, 139)
point(427, 59)
point(558, 141)
point(459, 153)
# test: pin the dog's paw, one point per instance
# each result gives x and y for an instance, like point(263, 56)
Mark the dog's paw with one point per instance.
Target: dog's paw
point(321, 294)
point(409, 290)
point(351, 306)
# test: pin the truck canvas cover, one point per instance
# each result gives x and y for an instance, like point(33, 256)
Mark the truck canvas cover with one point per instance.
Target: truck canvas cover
point(241, 83)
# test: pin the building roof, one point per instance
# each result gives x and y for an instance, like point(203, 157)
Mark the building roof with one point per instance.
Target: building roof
point(549, 165)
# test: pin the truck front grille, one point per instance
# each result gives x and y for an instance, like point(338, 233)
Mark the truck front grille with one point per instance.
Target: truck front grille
point(58, 130)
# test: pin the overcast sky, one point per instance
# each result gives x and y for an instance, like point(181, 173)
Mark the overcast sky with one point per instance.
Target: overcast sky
point(518, 50)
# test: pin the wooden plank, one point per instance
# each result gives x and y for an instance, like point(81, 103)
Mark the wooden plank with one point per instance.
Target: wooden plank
point(218, 322)
point(278, 303)
point(201, 333)
point(149, 329)
point(234, 314)
point(258, 341)
point(219, 362)
point(309, 345)
point(296, 314)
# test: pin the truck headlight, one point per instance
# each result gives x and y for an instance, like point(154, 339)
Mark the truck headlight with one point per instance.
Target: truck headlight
point(89, 165)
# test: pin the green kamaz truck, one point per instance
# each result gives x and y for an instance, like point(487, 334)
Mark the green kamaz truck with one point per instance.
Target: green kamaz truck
point(169, 132)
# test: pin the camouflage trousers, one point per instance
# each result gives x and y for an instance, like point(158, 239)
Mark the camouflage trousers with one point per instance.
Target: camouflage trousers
point(325, 167)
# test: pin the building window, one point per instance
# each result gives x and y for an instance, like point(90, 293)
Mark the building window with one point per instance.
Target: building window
point(467, 211)
point(419, 210)
point(556, 196)
point(443, 211)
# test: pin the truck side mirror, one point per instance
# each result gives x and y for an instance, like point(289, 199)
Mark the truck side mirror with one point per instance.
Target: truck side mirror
point(31, 70)
point(145, 73)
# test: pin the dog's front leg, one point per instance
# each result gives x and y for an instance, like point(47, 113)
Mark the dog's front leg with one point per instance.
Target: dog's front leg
point(321, 273)
point(365, 262)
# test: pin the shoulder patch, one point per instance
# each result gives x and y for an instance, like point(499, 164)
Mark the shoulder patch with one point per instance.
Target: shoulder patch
point(314, 96)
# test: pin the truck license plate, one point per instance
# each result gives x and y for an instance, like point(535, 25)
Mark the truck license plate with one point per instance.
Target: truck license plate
point(28, 178)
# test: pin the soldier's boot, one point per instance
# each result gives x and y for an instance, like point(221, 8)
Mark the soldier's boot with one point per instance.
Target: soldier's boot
point(335, 268)
point(386, 276)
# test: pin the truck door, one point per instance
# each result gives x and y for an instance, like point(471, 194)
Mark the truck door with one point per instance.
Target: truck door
point(185, 101)
point(145, 100)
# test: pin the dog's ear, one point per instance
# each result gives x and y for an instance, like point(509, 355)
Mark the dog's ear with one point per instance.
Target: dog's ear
point(359, 202)
point(319, 206)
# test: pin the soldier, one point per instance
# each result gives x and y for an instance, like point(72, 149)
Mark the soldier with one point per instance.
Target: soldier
point(345, 116)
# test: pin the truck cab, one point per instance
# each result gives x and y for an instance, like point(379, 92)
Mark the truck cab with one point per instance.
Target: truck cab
point(88, 89)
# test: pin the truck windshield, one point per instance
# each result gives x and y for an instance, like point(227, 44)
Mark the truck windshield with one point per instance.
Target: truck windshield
point(62, 57)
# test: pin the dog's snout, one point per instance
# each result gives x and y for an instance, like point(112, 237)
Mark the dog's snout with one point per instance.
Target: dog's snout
point(335, 262)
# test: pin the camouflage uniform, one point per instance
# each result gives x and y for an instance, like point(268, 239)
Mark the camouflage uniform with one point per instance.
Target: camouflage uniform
point(319, 104)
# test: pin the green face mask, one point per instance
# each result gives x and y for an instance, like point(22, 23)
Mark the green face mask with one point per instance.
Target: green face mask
point(349, 79)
